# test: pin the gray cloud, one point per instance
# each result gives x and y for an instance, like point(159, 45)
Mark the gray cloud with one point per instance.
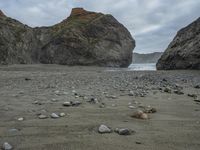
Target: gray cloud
point(153, 23)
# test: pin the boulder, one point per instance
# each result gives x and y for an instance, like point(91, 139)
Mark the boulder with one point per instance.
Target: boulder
point(184, 51)
point(84, 38)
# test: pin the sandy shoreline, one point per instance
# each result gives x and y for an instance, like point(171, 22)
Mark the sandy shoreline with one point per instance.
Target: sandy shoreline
point(175, 126)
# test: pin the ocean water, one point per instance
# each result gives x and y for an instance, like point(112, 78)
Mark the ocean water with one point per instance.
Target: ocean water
point(143, 67)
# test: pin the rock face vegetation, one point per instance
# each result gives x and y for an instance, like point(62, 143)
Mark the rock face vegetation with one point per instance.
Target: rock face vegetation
point(184, 51)
point(84, 38)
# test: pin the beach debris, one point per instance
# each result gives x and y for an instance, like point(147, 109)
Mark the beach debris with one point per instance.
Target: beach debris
point(54, 116)
point(7, 146)
point(179, 92)
point(139, 114)
point(124, 131)
point(104, 129)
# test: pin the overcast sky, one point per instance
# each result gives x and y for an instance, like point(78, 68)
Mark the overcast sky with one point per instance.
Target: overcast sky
point(152, 23)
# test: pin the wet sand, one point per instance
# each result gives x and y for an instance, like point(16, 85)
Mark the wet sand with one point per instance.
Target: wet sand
point(29, 90)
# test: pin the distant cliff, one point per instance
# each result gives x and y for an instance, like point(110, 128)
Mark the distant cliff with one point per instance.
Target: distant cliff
point(146, 58)
point(84, 38)
point(184, 51)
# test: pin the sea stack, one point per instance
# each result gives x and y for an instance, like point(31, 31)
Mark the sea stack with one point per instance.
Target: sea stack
point(184, 51)
point(84, 38)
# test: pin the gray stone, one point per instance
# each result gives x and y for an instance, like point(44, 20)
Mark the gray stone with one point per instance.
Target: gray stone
point(54, 116)
point(104, 129)
point(7, 146)
point(67, 104)
point(42, 117)
point(123, 131)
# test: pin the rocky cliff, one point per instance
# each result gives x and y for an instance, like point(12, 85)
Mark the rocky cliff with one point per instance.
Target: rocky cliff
point(146, 58)
point(84, 38)
point(184, 51)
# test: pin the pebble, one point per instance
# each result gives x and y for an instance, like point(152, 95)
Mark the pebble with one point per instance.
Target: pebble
point(42, 117)
point(139, 114)
point(7, 146)
point(13, 130)
point(54, 116)
point(104, 129)
point(131, 93)
point(192, 95)
point(167, 90)
point(179, 92)
point(76, 103)
point(123, 131)
point(131, 107)
point(93, 101)
point(62, 114)
point(54, 100)
point(197, 86)
point(20, 119)
point(67, 104)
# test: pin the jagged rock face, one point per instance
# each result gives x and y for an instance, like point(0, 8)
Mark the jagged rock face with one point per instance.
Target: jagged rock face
point(84, 38)
point(184, 51)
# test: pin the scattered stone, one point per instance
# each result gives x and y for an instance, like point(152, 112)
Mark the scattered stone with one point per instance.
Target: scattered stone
point(179, 92)
point(123, 131)
point(27, 79)
point(20, 119)
point(111, 96)
point(197, 86)
point(42, 117)
point(131, 107)
point(138, 142)
point(167, 90)
point(7, 146)
point(192, 95)
point(139, 114)
point(93, 101)
point(54, 116)
point(131, 93)
point(67, 104)
point(113, 105)
point(54, 100)
point(196, 99)
point(62, 114)
point(13, 130)
point(150, 110)
point(102, 105)
point(76, 103)
point(104, 129)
